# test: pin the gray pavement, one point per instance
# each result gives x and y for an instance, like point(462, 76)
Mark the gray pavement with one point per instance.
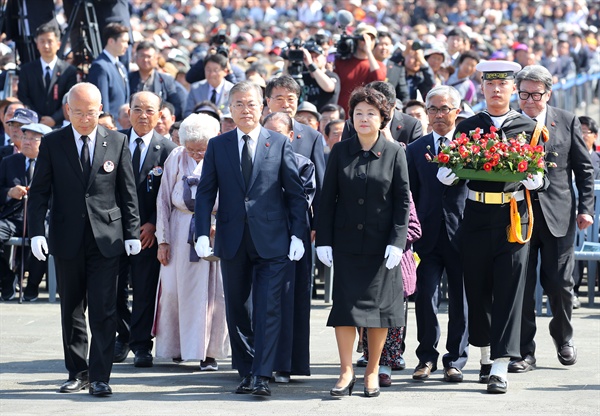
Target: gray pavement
point(32, 369)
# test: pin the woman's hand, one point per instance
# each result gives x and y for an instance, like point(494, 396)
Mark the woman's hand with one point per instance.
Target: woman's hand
point(164, 253)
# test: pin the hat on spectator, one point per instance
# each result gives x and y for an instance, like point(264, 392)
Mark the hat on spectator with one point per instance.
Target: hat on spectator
point(37, 128)
point(433, 49)
point(313, 46)
point(520, 47)
point(205, 109)
point(498, 55)
point(226, 114)
point(368, 29)
point(499, 69)
point(24, 116)
point(308, 108)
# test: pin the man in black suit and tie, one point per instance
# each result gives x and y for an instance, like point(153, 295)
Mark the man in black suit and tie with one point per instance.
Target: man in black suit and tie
point(148, 78)
point(85, 170)
point(16, 172)
point(402, 128)
point(556, 216)
point(44, 82)
point(108, 73)
point(260, 223)
point(149, 151)
point(440, 210)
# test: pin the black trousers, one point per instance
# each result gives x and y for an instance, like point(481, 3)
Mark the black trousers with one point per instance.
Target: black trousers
point(494, 273)
point(89, 280)
point(253, 330)
point(429, 275)
point(135, 327)
point(556, 277)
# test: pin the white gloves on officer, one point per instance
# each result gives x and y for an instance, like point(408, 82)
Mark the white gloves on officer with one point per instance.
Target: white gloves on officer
point(202, 247)
point(446, 176)
point(133, 247)
point(534, 181)
point(325, 255)
point(393, 255)
point(39, 247)
point(296, 249)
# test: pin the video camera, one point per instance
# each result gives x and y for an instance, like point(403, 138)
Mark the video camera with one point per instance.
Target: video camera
point(294, 53)
point(347, 44)
point(221, 40)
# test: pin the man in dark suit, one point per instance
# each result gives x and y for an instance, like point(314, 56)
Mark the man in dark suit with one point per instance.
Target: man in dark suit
point(148, 78)
point(440, 210)
point(149, 150)
point(44, 82)
point(16, 172)
point(21, 117)
point(403, 128)
point(85, 170)
point(556, 216)
point(261, 205)
point(107, 73)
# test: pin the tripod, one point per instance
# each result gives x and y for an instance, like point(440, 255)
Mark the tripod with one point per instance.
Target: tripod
point(16, 10)
point(87, 45)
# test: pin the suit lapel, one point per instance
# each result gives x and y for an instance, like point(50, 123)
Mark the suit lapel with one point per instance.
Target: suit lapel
point(70, 150)
point(234, 156)
point(262, 151)
point(151, 158)
point(99, 153)
point(552, 123)
point(38, 75)
point(396, 124)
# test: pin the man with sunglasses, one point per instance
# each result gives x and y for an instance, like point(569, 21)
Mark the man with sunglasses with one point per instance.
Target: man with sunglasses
point(555, 217)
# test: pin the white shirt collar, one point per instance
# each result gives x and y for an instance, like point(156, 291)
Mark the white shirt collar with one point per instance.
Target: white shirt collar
point(146, 137)
point(447, 139)
point(92, 135)
point(51, 64)
point(112, 58)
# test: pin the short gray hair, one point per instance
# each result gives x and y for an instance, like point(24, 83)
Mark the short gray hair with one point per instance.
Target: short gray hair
point(445, 91)
point(198, 128)
point(536, 73)
point(245, 86)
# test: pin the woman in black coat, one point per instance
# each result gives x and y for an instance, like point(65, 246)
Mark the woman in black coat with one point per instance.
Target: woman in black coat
point(363, 219)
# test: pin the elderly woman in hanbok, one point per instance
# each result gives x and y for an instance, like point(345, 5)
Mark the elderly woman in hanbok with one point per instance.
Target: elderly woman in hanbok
point(189, 323)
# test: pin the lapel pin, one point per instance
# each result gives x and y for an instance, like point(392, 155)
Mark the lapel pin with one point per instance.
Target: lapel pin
point(378, 154)
point(553, 124)
point(398, 127)
point(157, 147)
point(157, 171)
point(104, 144)
point(299, 136)
point(108, 166)
point(267, 144)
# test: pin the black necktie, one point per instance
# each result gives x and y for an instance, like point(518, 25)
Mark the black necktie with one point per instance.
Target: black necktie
point(441, 141)
point(213, 96)
point(246, 160)
point(137, 155)
point(47, 77)
point(85, 159)
point(30, 169)
point(121, 71)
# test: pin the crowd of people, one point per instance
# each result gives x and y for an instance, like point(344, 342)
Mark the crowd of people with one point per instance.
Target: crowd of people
point(209, 145)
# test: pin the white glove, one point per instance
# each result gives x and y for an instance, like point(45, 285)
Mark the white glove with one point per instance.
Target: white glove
point(446, 176)
point(39, 247)
point(202, 247)
point(393, 255)
point(133, 247)
point(296, 249)
point(325, 255)
point(534, 181)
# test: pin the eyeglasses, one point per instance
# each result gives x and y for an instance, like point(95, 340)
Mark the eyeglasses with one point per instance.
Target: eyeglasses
point(81, 114)
point(445, 110)
point(249, 106)
point(31, 139)
point(139, 111)
point(281, 100)
point(586, 132)
point(535, 96)
point(194, 152)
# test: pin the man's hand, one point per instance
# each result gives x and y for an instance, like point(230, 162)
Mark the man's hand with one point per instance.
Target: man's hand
point(446, 176)
point(147, 236)
point(133, 247)
point(307, 58)
point(202, 247)
point(584, 221)
point(48, 121)
point(39, 247)
point(17, 192)
point(296, 249)
point(369, 43)
point(393, 255)
point(325, 255)
point(164, 253)
point(534, 181)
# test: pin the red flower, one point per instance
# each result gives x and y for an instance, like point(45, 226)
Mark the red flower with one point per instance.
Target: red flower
point(487, 166)
point(443, 158)
point(493, 129)
point(540, 163)
point(475, 149)
point(522, 167)
point(539, 148)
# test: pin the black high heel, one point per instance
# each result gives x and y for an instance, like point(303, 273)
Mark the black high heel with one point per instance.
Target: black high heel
point(340, 392)
point(372, 392)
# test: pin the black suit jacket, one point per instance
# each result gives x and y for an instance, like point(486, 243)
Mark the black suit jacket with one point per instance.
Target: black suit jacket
point(6, 151)
point(396, 76)
point(12, 173)
point(404, 128)
point(108, 201)
point(114, 88)
point(46, 101)
point(595, 157)
point(434, 201)
point(567, 149)
point(165, 87)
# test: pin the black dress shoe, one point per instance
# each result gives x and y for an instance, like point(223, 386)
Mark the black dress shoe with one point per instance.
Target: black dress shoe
point(245, 387)
point(371, 392)
point(143, 358)
point(261, 386)
point(343, 391)
point(522, 366)
point(567, 353)
point(484, 373)
point(74, 385)
point(497, 385)
point(452, 375)
point(100, 389)
point(121, 351)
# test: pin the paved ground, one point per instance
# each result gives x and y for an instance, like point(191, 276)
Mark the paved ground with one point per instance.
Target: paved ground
point(31, 369)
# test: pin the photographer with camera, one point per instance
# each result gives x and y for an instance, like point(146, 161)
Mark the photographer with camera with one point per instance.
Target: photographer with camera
point(355, 64)
point(321, 87)
point(219, 44)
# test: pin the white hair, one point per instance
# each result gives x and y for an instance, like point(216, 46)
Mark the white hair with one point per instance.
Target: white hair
point(198, 128)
